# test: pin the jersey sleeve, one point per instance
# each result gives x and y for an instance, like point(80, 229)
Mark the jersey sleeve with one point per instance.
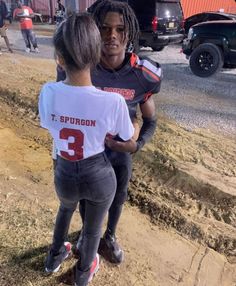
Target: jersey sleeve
point(30, 10)
point(154, 85)
point(150, 76)
point(123, 125)
point(15, 12)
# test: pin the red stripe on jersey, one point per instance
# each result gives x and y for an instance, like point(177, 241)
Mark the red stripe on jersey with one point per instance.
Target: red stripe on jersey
point(133, 63)
point(133, 60)
point(147, 96)
point(148, 72)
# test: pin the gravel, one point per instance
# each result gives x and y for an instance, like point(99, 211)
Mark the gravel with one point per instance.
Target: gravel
point(191, 101)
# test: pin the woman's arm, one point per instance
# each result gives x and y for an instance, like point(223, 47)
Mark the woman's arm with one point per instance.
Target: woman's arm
point(125, 146)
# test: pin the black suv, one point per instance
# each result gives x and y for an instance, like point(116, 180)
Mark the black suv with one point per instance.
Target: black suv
point(205, 17)
point(161, 22)
point(210, 45)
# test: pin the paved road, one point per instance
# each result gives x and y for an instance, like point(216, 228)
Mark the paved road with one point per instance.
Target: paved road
point(44, 39)
point(191, 101)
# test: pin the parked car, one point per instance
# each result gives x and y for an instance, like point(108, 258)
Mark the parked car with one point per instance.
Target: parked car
point(161, 22)
point(209, 46)
point(204, 17)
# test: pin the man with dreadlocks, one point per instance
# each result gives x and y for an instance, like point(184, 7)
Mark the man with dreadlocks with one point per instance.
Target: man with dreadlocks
point(136, 80)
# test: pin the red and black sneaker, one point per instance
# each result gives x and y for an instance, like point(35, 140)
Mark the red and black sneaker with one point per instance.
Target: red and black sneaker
point(83, 278)
point(94, 268)
point(54, 261)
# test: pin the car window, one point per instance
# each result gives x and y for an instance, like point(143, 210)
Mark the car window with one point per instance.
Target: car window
point(196, 18)
point(216, 17)
point(148, 9)
point(145, 13)
point(169, 9)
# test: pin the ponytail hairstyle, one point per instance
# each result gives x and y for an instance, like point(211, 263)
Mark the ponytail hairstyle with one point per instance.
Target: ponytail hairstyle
point(77, 40)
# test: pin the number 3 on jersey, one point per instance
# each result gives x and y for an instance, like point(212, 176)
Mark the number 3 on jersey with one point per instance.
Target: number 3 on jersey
point(76, 146)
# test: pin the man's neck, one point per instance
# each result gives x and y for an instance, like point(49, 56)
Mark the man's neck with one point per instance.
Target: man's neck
point(112, 62)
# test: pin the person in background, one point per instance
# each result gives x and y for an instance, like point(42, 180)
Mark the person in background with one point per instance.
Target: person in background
point(3, 28)
point(25, 14)
point(79, 117)
point(60, 12)
point(137, 80)
point(60, 7)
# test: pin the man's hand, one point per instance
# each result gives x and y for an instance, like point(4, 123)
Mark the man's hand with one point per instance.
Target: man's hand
point(127, 146)
point(22, 15)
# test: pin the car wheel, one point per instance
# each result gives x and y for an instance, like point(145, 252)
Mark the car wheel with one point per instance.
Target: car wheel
point(206, 60)
point(158, 49)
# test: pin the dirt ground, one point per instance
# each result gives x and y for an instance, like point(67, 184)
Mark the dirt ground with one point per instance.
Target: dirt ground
point(178, 226)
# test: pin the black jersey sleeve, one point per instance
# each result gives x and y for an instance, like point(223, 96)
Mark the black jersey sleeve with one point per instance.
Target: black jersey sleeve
point(149, 75)
point(153, 75)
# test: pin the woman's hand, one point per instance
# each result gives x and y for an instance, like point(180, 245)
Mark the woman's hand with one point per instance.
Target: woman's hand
point(127, 146)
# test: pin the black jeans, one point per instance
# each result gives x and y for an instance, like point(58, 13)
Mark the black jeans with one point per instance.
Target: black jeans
point(122, 165)
point(29, 38)
point(93, 181)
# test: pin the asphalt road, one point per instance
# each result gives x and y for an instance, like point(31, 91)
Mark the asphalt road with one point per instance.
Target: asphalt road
point(191, 101)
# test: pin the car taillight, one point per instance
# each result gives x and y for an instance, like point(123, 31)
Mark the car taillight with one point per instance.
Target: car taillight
point(154, 24)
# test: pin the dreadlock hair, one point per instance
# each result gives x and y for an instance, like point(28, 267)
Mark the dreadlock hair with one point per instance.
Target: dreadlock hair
point(101, 7)
point(77, 40)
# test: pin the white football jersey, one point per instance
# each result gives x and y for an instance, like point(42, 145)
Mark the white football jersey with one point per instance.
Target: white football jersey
point(79, 118)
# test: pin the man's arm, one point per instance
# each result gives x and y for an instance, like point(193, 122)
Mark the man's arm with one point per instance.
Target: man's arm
point(148, 111)
point(15, 13)
point(18, 13)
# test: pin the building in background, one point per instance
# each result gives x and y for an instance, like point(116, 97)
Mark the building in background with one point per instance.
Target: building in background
point(190, 7)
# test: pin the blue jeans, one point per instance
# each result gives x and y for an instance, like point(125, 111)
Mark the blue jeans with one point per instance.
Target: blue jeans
point(29, 38)
point(93, 181)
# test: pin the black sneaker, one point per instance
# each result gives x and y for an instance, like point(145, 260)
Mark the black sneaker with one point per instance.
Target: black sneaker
point(83, 278)
point(53, 262)
point(110, 249)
